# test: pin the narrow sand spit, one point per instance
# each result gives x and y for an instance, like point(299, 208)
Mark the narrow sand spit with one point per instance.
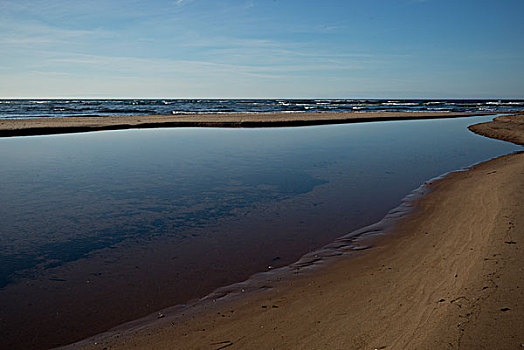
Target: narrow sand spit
point(450, 275)
point(43, 126)
point(507, 127)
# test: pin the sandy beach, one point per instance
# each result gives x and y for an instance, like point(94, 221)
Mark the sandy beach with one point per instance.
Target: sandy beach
point(44, 126)
point(507, 127)
point(448, 275)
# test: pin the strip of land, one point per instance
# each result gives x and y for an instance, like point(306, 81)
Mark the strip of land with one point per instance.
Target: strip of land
point(507, 127)
point(449, 275)
point(45, 126)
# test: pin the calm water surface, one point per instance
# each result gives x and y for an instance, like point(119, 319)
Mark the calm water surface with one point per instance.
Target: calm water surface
point(115, 225)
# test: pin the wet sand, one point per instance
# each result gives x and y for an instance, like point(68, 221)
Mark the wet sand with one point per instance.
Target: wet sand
point(448, 275)
point(44, 126)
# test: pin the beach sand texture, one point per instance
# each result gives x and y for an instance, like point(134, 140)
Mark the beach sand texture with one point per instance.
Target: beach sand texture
point(507, 127)
point(450, 275)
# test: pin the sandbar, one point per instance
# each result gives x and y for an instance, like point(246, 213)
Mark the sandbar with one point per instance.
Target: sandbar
point(45, 126)
point(507, 127)
point(450, 274)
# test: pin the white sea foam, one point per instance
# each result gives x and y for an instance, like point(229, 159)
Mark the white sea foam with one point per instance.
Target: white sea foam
point(399, 104)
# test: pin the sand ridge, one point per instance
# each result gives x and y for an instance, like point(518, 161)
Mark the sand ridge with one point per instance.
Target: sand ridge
point(44, 126)
point(507, 127)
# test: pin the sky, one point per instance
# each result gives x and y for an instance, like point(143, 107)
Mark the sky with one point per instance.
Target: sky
point(262, 49)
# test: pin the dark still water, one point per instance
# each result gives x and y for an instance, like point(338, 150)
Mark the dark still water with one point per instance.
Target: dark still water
point(101, 228)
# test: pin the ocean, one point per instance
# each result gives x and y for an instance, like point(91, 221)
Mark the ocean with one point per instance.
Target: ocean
point(26, 108)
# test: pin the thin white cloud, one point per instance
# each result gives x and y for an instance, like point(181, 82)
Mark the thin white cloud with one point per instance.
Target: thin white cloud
point(154, 68)
point(146, 66)
point(30, 32)
point(180, 3)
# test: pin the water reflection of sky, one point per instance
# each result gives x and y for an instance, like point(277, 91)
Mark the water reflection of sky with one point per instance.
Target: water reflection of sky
point(67, 195)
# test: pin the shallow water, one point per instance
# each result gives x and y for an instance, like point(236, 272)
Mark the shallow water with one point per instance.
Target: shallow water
point(115, 225)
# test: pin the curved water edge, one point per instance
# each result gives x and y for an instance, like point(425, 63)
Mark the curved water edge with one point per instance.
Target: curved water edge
point(343, 247)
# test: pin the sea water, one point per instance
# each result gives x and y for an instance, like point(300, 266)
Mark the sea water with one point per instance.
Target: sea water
point(91, 107)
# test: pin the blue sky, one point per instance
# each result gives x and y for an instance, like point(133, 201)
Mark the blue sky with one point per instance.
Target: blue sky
point(262, 49)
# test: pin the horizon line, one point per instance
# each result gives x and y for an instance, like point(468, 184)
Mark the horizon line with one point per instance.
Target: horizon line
point(262, 98)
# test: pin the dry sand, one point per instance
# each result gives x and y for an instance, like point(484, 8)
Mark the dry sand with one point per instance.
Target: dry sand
point(450, 275)
point(42, 126)
point(507, 127)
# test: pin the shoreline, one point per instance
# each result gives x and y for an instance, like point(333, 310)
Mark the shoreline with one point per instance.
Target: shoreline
point(460, 300)
point(49, 126)
point(508, 128)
